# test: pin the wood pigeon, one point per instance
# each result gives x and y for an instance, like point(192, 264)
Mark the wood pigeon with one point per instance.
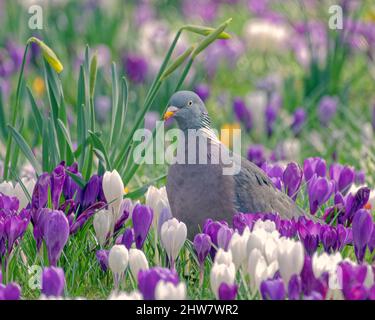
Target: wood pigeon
point(197, 186)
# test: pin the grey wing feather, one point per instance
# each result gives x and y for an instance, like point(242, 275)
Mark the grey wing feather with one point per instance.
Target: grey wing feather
point(255, 192)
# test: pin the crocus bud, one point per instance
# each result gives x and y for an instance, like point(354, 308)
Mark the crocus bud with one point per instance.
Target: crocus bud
point(238, 247)
point(292, 178)
point(202, 246)
point(290, 258)
point(128, 238)
point(221, 273)
point(327, 109)
point(343, 176)
point(299, 118)
point(169, 291)
point(242, 113)
point(102, 257)
point(314, 165)
point(142, 219)
point(224, 235)
point(40, 194)
point(113, 189)
point(53, 282)
point(91, 192)
point(57, 183)
point(56, 234)
point(118, 261)
point(173, 235)
point(203, 91)
point(157, 199)
point(362, 231)
point(148, 279)
point(102, 225)
point(319, 191)
point(11, 291)
point(272, 290)
point(227, 291)
point(137, 262)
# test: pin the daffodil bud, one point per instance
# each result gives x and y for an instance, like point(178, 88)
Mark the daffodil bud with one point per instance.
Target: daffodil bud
point(93, 71)
point(179, 61)
point(102, 225)
point(173, 236)
point(137, 262)
point(168, 291)
point(48, 54)
point(118, 261)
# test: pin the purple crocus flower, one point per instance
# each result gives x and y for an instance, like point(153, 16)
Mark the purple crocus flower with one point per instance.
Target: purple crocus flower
point(360, 177)
point(57, 183)
point(353, 204)
point(362, 230)
point(313, 166)
point(165, 215)
point(202, 9)
point(148, 279)
point(319, 190)
point(292, 178)
point(136, 67)
point(242, 113)
point(311, 284)
point(211, 228)
point(203, 91)
point(352, 280)
point(227, 291)
point(142, 219)
point(71, 189)
point(299, 118)
point(327, 109)
point(85, 216)
point(11, 291)
point(56, 234)
point(91, 191)
point(256, 154)
point(102, 257)
point(53, 282)
point(40, 194)
point(272, 289)
point(328, 237)
point(128, 238)
point(270, 117)
point(202, 246)
point(8, 203)
point(275, 173)
point(343, 177)
point(294, 288)
point(15, 226)
point(223, 237)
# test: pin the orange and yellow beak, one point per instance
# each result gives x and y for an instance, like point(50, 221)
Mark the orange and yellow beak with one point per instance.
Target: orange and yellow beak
point(170, 112)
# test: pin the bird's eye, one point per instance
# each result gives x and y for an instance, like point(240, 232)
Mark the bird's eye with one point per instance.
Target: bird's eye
point(190, 103)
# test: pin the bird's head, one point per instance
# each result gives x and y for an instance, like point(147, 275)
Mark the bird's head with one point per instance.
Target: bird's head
point(188, 110)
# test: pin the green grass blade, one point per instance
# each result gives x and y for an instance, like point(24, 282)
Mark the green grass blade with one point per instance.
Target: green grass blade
point(36, 113)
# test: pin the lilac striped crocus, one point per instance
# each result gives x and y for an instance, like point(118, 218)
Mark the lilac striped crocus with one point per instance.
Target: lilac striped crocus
point(142, 219)
point(148, 279)
point(319, 191)
point(53, 282)
point(362, 230)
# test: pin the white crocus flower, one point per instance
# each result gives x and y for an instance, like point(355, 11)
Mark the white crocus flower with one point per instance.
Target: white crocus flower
point(221, 273)
point(102, 225)
point(157, 199)
point(113, 189)
point(168, 291)
point(290, 258)
point(134, 295)
point(118, 261)
point(271, 250)
point(238, 247)
point(268, 225)
point(223, 257)
point(257, 240)
point(137, 262)
point(17, 191)
point(173, 236)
